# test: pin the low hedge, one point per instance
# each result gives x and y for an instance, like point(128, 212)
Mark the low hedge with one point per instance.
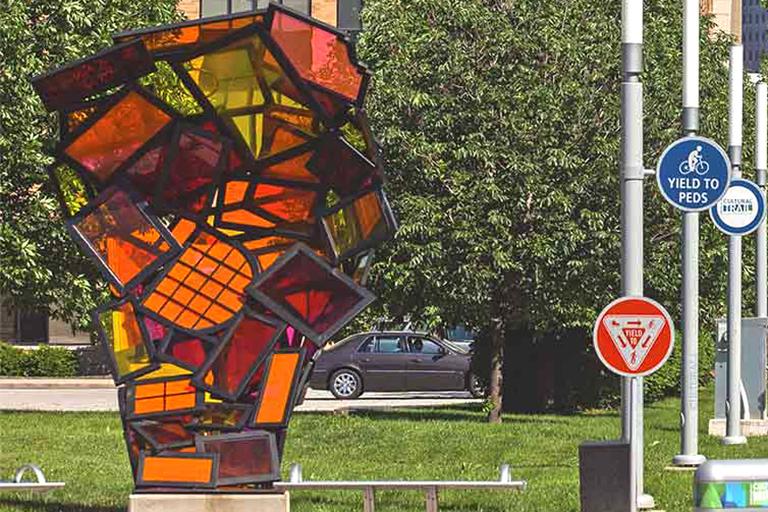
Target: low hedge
point(561, 372)
point(44, 361)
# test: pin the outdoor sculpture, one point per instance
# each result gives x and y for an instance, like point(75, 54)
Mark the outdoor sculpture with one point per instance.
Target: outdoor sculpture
point(222, 175)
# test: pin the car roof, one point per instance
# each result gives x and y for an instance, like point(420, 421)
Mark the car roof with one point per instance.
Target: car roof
point(358, 335)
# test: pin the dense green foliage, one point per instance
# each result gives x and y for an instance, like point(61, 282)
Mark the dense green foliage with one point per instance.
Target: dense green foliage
point(44, 361)
point(39, 266)
point(500, 124)
point(86, 450)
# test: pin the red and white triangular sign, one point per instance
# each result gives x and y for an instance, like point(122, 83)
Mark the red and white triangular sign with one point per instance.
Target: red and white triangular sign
point(633, 335)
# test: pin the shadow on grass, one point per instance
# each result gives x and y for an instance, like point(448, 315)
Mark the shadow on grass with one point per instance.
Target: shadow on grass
point(52, 506)
point(473, 415)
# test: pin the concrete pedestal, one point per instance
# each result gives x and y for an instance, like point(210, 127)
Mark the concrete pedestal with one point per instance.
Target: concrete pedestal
point(749, 428)
point(278, 502)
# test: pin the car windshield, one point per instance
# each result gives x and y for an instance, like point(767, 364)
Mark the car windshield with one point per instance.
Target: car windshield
point(456, 347)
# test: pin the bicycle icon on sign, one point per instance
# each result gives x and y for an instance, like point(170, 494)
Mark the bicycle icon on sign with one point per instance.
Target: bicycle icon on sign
point(695, 163)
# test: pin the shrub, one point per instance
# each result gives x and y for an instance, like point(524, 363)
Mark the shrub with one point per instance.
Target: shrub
point(45, 361)
point(561, 372)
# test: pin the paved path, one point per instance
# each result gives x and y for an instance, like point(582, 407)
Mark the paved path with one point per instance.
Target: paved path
point(99, 395)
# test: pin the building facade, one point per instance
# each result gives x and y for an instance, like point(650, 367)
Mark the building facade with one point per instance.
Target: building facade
point(749, 25)
point(344, 14)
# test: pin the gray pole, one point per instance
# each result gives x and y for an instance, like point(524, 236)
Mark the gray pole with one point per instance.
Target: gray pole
point(761, 164)
point(632, 172)
point(689, 369)
point(735, 119)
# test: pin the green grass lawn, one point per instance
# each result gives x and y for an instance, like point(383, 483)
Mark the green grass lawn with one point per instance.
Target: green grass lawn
point(86, 451)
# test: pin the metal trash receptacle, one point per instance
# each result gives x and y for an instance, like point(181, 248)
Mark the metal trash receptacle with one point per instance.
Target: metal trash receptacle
point(604, 476)
point(740, 484)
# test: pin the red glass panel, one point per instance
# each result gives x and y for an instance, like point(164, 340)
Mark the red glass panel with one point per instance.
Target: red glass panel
point(309, 294)
point(320, 56)
point(72, 83)
point(196, 164)
point(247, 346)
point(244, 457)
point(341, 166)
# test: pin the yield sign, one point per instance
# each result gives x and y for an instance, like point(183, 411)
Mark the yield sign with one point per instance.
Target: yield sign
point(633, 336)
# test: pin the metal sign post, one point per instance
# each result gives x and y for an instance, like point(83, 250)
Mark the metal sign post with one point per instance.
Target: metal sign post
point(689, 368)
point(735, 119)
point(761, 164)
point(632, 172)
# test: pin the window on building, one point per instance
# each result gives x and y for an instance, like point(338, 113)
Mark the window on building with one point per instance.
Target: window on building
point(302, 6)
point(220, 7)
point(349, 14)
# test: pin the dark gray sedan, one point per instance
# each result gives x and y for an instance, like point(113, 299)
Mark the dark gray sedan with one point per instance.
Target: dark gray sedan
point(394, 361)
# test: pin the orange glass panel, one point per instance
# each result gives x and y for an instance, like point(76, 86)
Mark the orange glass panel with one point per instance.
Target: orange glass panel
point(123, 129)
point(209, 266)
point(184, 35)
point(121, 236)
point(287, 203)
point(159, 397)
point(294, 169)
point(195, 470)
point(277, 389)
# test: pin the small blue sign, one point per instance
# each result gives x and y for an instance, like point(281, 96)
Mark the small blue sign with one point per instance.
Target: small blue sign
point(693, 173)
point(741, 210)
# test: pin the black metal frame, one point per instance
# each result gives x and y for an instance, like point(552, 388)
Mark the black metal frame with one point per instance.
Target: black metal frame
point(249, 204)
point(113, 367)
point(294, 392)
point(129, 35)
point(153, 221)
point(200, 445)
point(198, 379)
point(140, 482)
point(366, 297)
point(253, 30)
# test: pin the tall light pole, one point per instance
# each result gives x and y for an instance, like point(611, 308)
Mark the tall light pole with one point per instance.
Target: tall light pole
point(689, 369)
point(632, 175)
point(761, 165)
point(735, 118)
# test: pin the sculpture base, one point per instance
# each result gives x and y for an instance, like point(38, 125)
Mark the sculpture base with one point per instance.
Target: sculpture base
point(749, 428)
point(194, 502)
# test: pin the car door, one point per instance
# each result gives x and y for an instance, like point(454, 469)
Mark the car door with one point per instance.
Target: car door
point(433, 367)
point(382, 359)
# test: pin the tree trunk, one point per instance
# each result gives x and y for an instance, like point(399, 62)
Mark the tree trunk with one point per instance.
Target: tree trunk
point(495, 392)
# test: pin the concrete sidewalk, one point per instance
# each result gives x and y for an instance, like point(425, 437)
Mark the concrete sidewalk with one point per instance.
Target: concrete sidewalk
point(99, 394)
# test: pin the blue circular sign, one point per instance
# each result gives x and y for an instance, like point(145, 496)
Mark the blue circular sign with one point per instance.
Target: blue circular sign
point(741, 210)
point(693, 173)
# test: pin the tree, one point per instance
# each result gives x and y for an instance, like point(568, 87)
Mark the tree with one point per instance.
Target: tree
point(500, 126)
point(40, 268)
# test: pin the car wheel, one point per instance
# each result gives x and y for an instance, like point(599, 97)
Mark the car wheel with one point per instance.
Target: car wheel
point(476, 387)
point(346, 384)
